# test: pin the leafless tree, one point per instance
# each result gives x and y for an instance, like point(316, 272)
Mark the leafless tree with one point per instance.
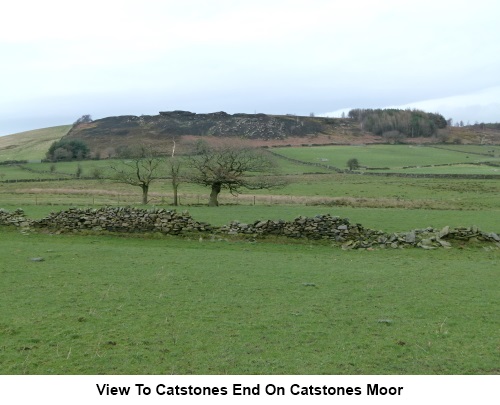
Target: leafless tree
point(174, 166)
point(232, 168)
point(140, 170)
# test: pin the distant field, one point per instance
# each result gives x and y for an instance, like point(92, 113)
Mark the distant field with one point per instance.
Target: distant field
point(394, 157)
point(30, 145)
point(88, 166)
point(14, 172)
point(329, 189)
point(456, 169)
point(491, 150)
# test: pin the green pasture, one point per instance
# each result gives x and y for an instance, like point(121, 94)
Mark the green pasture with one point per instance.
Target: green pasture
point(394, 157)
point(379, 191)
point(456, 169)
point(129, 305)
point(324, 191)
point(16, 172)
point(490, 150)
point(400, 158)
point(104, 166)
point(87, 167)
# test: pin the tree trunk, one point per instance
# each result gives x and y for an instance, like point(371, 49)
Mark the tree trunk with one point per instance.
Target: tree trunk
point(176, 200)
point(145, 189)
point(174, 171)
point(216, 187)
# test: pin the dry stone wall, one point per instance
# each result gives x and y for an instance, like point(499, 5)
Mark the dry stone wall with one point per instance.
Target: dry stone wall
point(123, 219)
point(339, 231)
point(355, 236)
point(15, 218)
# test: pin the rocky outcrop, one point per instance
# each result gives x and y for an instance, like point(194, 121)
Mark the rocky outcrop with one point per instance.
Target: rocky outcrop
point(118, 130)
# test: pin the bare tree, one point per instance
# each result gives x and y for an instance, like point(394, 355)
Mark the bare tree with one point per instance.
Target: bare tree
point(79, 171)
point(232, 168)
point(140, 170)
point(174, 166)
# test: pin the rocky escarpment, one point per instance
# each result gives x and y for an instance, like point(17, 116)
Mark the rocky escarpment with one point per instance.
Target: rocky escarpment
point(105, 134)
point(339, 231)
point(250, 126)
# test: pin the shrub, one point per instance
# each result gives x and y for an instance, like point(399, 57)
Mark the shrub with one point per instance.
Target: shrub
point(97, 173)
point(84, 119)
point(353, 164)
point(68, 150)
point(394, 137)
point(79, 171)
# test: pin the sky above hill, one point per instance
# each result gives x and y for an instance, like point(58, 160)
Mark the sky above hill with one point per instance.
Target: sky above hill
point(63, 59)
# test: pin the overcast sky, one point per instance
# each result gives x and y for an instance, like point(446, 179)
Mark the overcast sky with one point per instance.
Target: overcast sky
point(63, 59)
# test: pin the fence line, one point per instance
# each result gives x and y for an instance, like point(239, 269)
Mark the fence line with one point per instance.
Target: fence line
point(193, 199)
point(184, 199)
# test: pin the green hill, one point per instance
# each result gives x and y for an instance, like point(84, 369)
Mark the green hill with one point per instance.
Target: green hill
point(30, 145)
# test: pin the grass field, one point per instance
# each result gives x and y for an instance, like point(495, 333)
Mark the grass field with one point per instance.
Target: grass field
point(456, 169)
point(488, 150)
point(397, 158)
point(15, 172)
point(110, 305)
point(151, 304)
point(323, 191)
point(389, 191)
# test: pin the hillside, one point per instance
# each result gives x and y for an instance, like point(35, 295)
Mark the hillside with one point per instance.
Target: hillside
point(30, 145)
point(105, 137)
point(488, 134)
point(109, 134)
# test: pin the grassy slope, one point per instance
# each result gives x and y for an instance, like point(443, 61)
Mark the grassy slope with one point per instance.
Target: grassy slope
point(134, 306)
point(30, 145)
